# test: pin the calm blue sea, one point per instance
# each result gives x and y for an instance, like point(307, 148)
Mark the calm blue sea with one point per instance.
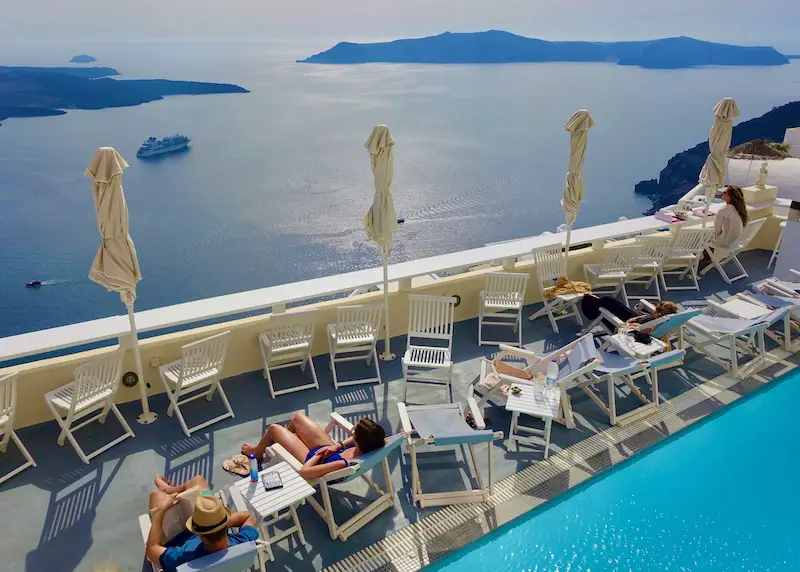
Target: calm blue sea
point(721, 497)
point(277, 181)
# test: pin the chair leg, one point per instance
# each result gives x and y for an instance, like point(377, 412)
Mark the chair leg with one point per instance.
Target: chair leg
point(375, 360)
point(23, 449)
point(121, 419)
point(268, 377)
point(313, 371)
point(68, 434)
point(326, 501)
point(224, 397)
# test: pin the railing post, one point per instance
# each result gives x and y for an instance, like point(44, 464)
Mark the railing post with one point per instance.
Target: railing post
point(405, 284)
point(598, 244)
point(279, 308)
point(509, 263)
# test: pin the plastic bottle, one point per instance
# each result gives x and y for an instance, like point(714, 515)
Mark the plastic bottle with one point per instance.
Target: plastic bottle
point(253, 468)
point(552, 374)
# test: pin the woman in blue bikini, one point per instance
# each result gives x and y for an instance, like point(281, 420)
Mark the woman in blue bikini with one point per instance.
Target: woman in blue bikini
point(309, 443)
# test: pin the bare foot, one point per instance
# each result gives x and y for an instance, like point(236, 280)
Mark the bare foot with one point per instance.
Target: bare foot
point(248, 450)
point(163, 484)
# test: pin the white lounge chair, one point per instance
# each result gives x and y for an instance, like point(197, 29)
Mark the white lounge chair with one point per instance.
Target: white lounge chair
point(8, 407)
point(748, 306)
point(738, 336)
point(441, 426)
point(777, 250)
point(501, 303)
point(198, 374)
point(288, 343)
point(354, 337)
point(777, 287)
point(662, 328)
point(428, 356)
point(360, 467)
point(649, 263)
point(234, 559)
point(549, 265)
point(609, 277)
point(683, 257)
point(575, 359)
point(722, 257)
point(92, 391)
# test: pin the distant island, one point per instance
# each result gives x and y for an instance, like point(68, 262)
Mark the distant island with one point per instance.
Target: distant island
point(45, 91)
point(83, 59)
point(682, 171)
point(494, 47)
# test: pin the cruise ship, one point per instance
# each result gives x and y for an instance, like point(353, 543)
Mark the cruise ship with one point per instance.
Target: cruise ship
point(75, 493)
point(153, 146)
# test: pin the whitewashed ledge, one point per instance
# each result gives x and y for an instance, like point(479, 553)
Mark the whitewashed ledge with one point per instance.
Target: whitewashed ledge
point(277, 297)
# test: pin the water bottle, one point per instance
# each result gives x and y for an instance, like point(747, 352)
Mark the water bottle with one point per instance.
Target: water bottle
point(253, 469)
point(552, 374)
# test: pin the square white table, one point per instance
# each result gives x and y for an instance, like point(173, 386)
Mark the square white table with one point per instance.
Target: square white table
point(626, 345)
point(268, 505)
point(536, 402)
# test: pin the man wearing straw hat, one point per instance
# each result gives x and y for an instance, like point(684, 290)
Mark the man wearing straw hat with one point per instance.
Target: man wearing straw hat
point(206, 530)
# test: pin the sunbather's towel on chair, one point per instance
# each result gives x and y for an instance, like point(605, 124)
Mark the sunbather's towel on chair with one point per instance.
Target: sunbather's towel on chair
point(447, 426)
point(564, 286)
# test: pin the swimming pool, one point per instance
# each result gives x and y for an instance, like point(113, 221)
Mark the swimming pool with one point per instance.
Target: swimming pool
point(722, 496)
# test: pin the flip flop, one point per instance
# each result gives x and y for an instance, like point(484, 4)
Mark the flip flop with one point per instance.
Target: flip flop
point(231, 466)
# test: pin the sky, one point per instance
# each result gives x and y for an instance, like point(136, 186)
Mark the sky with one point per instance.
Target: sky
point(748, 22)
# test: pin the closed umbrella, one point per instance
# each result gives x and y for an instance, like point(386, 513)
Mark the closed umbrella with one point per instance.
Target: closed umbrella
point(578, 128)
point(712, 176)
point(116, 266)
point(381, 219)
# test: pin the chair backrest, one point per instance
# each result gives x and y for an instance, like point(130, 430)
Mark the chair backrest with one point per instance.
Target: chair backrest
point(673, 322)
point(748, 234)
point(654, 248)
point(620, 259)
point(691, 240)
point(506, 285)
point(431, 317)
point(368, 461)
point(292, 329)
point(353, 322)
point(97, 376)
point(233, 559)
point(204, 355)
point(549, 262)
point(8, 400)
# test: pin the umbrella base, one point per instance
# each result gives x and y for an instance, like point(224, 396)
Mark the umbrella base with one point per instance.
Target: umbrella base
point(147, 418)
point(387, 357)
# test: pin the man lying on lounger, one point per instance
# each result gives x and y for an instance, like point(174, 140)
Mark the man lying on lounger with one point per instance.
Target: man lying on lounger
point(206, 530)
point(310, 444)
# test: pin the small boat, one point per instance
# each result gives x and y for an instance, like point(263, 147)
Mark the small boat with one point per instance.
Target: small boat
point(33, 284)
point(401, 220)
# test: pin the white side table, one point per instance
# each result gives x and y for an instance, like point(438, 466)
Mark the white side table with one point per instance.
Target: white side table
point(269, 506)
point(624, 344)
point(535, 402)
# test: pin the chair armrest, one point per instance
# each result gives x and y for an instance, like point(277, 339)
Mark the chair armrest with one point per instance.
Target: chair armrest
point(277, 450)
point(237, 500)
point(611, 317)
point(794, 274)
point(405, 421)
point(647, 305)
point(520, 353)
point(476, 414)
point(339, 421)
point(339, 475)
point(144, 526)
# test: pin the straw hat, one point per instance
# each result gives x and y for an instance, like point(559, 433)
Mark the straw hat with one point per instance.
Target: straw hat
point(209, 516)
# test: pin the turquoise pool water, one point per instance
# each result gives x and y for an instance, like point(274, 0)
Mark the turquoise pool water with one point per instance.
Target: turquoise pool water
point(722, 496)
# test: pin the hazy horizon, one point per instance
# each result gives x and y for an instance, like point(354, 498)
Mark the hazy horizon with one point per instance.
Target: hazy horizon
point(771, 22)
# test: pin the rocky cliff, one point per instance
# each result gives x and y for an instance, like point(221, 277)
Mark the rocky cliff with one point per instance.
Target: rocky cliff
point(682, 171)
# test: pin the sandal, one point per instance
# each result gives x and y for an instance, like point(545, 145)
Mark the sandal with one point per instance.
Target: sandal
point(234, 467)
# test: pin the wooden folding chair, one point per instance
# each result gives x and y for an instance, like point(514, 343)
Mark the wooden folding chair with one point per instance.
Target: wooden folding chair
point(428, 356)
point(353, 338)
point(549, 266)
point(8, 406)
point(501, 303)
point(288, 343)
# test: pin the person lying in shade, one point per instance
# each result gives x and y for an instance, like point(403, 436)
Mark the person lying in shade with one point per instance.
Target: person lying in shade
point(640, 320)
point(309, 443)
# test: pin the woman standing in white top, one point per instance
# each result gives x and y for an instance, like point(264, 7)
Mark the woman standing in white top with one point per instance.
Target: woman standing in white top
point(730, 220)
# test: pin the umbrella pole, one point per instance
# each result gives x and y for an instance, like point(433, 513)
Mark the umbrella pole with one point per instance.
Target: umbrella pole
point(566, 249)
point(387, 354)
point(147, 416)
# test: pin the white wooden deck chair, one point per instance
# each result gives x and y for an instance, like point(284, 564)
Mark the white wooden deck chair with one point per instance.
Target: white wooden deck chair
point(722, 257)
point(234, 559)
point(778, 287)
point(197, 374)
point(664, 328)
point(92, 391)
point(486, 389)
point(619, 370)
point(684, 256)
point(647, 267)
point(501, 303)
point(739, 337)
point(8, 406)
point(609, 277)
point(549, 266)
point(747, 306)
point(361, 467)
point(287, 343)
point(428, 357)
point(428, 426)
point(354, 337)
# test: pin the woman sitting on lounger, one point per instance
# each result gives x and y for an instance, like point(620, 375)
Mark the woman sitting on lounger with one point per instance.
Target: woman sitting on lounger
point(310, 444)
point(591, 304)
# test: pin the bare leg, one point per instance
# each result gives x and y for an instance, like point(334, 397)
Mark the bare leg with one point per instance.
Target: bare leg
point(311, 433)
point(165, 486)
point(278, 434)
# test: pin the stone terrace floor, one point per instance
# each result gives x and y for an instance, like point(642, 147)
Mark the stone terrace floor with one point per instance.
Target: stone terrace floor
point(64, 515)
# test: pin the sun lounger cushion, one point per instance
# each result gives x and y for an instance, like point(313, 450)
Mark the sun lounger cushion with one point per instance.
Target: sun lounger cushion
point(447, 427)
point(734, 325)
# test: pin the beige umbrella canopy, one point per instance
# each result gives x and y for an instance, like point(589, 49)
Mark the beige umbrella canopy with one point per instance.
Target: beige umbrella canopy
point(712, 176)
point(380, 221)
point(578, 128)
point(115, 265)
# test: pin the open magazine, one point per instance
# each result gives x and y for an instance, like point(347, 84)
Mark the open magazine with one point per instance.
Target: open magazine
point(174, 521)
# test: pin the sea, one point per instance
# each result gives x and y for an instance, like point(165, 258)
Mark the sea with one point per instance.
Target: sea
point(275, 184)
